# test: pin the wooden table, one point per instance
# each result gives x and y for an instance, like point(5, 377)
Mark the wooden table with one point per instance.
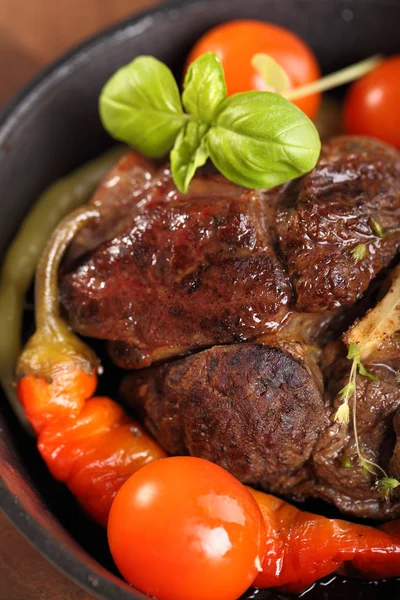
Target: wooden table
point(32, 34)
point(35, 32)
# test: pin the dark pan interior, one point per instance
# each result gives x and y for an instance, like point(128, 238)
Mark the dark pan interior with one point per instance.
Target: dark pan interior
point(53, 127)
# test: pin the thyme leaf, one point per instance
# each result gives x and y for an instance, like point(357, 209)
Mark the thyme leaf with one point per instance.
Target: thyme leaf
point(386, 485)
point(347, 391)
point(346, 461)
point(378, 229)
point(358, 252)
point(363, 371)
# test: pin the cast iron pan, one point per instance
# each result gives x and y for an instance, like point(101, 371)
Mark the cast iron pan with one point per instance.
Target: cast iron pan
point(51, 128)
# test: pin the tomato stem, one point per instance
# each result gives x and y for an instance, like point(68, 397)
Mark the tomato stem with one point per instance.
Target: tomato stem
point(335, 79)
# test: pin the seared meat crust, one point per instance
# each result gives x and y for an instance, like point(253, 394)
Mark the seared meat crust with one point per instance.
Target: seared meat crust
point(216, 266)
point(325, 214)
point(186, 272)
point(163, 274)
point(252, 409)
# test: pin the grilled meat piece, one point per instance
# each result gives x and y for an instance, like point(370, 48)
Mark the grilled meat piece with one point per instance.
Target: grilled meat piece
point(185, 272)
point(325, 214)
point(123, 188)
point(180, 272)
point(353, 489)
point(377, 413)
point(253, 409)
point(164, 274)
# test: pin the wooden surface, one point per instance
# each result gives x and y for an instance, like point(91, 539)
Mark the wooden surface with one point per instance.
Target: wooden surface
point(32, 34)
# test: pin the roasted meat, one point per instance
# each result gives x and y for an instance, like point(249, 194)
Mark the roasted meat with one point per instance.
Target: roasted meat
point(324, 215)
point(116, 197)
point(352, 488)
point(179, 272)
point(247, 294)
point(182, 272)
point(258, 410)
point(253, 409)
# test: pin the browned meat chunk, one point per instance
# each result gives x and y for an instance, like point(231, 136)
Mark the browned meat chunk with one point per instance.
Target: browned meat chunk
point(178, 272)
point(353, 489)
point(163, 274)
point(116, 197)
point(253, 409)
point(326, 213)
point(185, 272)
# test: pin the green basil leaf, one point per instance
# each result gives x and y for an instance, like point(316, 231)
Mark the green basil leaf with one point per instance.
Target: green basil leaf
point(260, 140)
point(204, 87)
point(141, 105)
point(189, 153)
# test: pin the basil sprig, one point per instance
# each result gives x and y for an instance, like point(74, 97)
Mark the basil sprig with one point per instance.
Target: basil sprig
point(255, 139)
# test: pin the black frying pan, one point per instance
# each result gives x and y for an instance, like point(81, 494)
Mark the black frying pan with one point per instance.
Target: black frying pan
point(52, 127)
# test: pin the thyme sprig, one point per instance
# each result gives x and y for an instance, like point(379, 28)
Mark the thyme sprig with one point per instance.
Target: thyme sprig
point(366, 337)
point(349, 390)
point(385, 483)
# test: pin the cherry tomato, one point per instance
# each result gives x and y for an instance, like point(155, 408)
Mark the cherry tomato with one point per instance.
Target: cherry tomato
point(183, 528)
point(372, 103)
point(236, 42)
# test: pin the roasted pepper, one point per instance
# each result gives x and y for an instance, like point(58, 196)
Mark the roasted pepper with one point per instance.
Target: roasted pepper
point(19, 265)
point(303, 547)
point(89, 443)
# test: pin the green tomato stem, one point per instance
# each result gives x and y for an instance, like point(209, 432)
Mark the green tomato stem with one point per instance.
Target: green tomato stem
point(335, 79)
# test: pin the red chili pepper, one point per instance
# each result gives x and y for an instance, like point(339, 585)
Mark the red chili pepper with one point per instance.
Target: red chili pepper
point(90, 444)
point(303, 547)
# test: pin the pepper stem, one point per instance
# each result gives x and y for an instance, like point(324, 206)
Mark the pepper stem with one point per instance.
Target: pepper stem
point(54, 346)
point(47, 310)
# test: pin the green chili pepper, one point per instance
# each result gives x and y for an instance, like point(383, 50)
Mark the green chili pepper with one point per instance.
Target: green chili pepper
point(24, 252)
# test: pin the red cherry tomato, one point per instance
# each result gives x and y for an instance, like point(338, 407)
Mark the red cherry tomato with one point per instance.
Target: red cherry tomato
point(372, 104)
point(236, 42)
point(183, 528)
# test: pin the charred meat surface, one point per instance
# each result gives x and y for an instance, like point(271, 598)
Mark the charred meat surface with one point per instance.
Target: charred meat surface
point(252, 409)
point(255, 283)
point(185, 272)
point(165, 273)
point(327, 213)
